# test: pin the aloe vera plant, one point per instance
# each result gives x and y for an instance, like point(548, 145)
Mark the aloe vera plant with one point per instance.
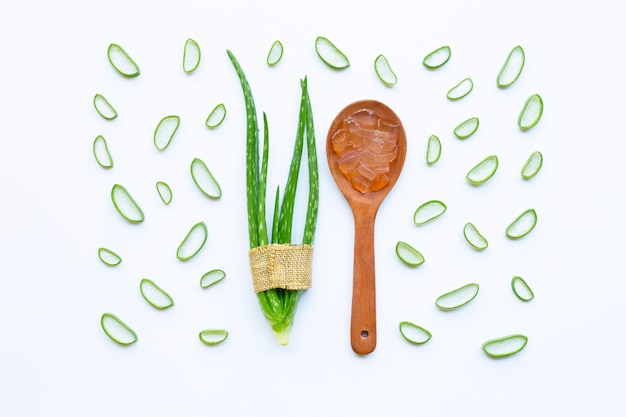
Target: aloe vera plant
point(278, 304)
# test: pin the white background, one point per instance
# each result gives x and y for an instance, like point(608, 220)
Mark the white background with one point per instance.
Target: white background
point(56, 211)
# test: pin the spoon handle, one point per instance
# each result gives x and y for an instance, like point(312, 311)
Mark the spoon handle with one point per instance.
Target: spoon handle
point(363, 323)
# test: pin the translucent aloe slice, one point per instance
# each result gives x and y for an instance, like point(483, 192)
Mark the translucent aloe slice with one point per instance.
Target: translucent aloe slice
point(275, 53)
point(126, 205)
point(522, 225)
point(117, 330)
point(155, 295)
point(512, 67)
point(460, 90)
point(191, 56)
point(212, 277)
point(121, 61)
point(437, 58)
point(433, 150)
point(531, 112)
point(330, 54)
point(204, 179)
point(213, 336)
point(474, 238)
point(103, 107)
point(532, 165)
point(505, 346)
point(483, 171)
point(467, 128)
point(413, 333)
point(408, 254)
point(521, 289)
point(384, 71)
point(165, 192)
point(216, 117)
point(457, 298)
point(165, 131)
point(428, 211)
point(108, 257)
point(101, 152)
point(193, 242)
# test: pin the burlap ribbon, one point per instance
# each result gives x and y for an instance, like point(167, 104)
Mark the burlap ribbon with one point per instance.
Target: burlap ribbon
point(281, 266)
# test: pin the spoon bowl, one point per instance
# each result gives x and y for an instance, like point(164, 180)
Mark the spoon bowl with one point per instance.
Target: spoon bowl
point(366, 149)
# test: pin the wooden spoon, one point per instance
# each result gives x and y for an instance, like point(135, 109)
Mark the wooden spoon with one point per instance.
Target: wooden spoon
point(360, 126)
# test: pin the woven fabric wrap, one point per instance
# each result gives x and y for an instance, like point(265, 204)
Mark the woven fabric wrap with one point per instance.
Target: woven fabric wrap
point(281, 266)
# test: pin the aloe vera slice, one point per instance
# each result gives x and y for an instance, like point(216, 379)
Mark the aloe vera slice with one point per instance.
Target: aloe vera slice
point(165, 131)
point(505, 346)
point(108, 257)
point(205, 181)
point(433, 150)
point(437, 58)
point(428, 211)
point(101, 152)
point(384, 71)
point(193, 242)
point(474, 238)
point(413, 333)
point(457, 298)
point(165, 192)
point(212, 277)
point(121, 61)
point(330, 54)
point(512, 67)
point(531, 112)
point(521, 289)
point(522, 225)
point(467, 128)
point(483, 171)
point(532, 165)
point(460, 90)
point(117, 330)
point(275, 54)
point(408, 254)
point(155, 295)
point(216, 117)
point(191, 56)
point(103, 107)
point(126, 205)
point(213, 336)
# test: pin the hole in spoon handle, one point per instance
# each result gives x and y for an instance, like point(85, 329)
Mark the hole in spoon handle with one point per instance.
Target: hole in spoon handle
point(363, 324)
